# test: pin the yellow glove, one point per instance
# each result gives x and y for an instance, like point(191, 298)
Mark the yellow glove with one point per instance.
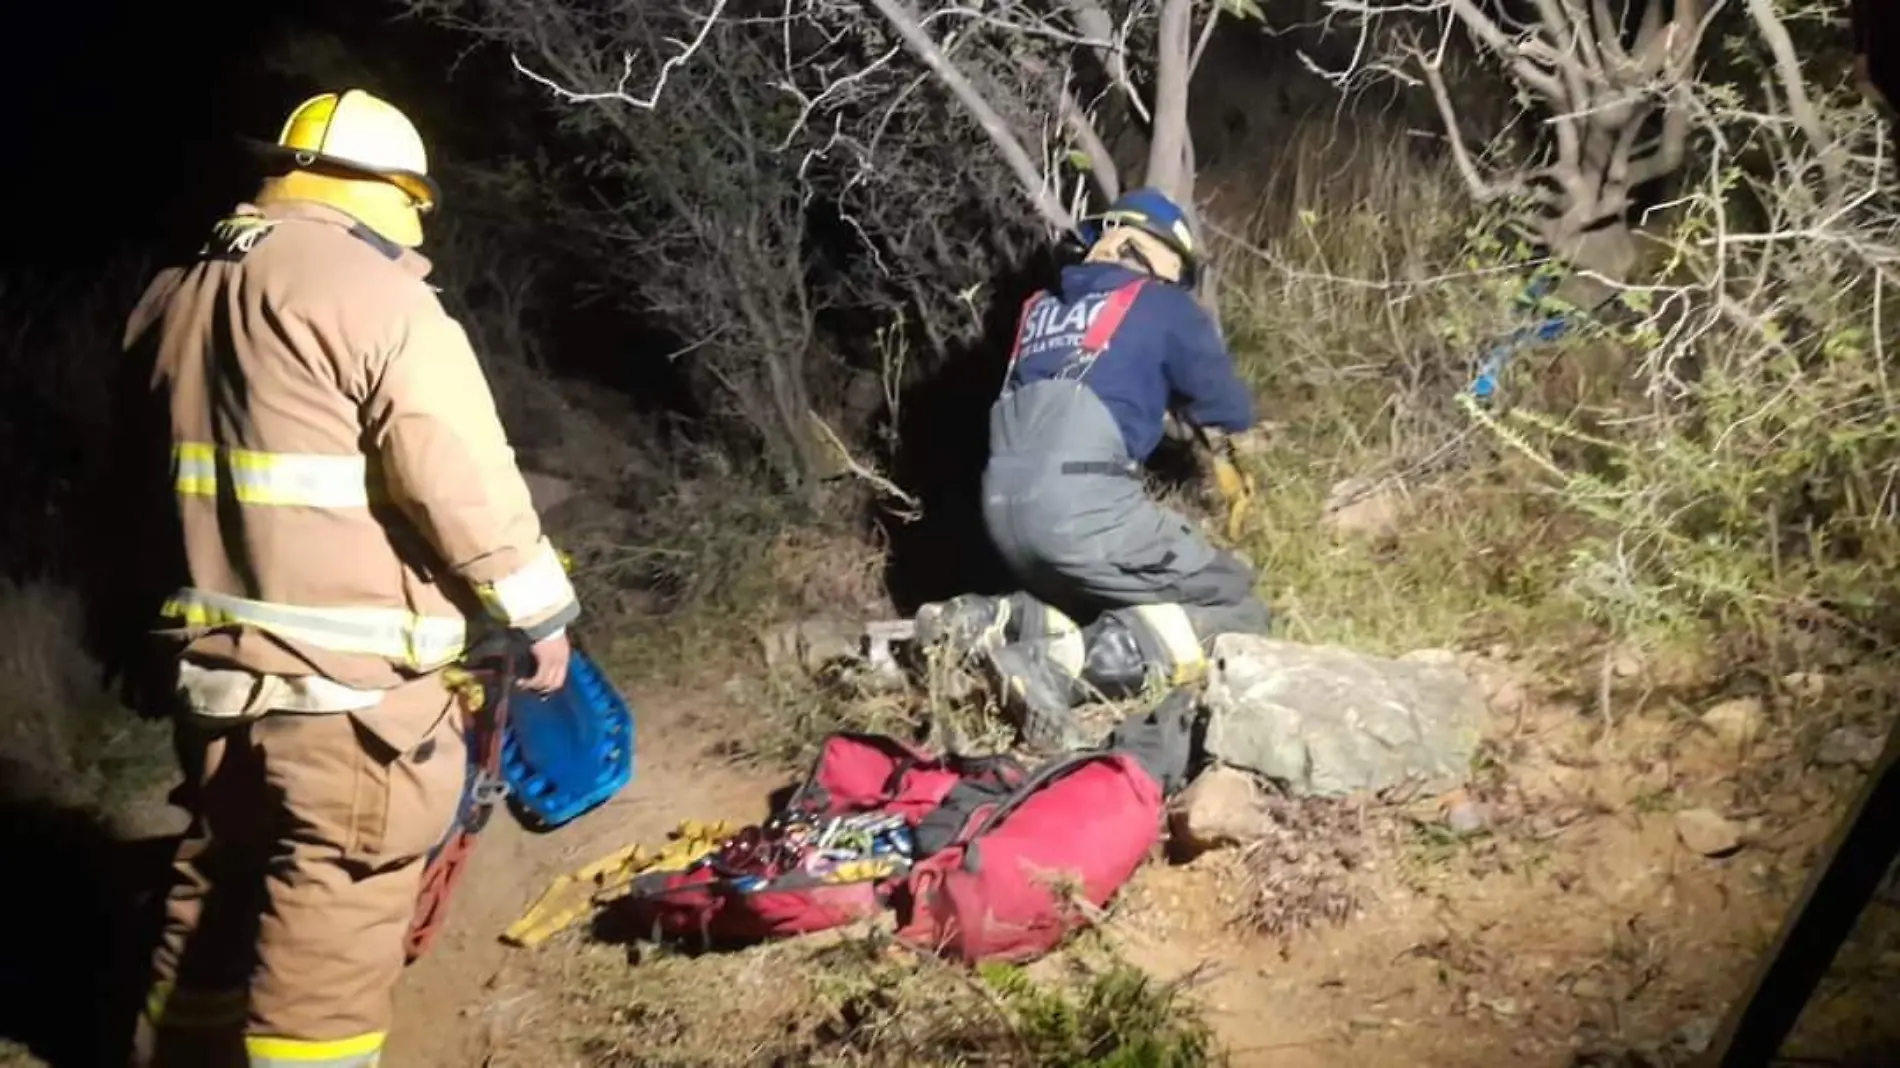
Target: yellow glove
point(1236, 491)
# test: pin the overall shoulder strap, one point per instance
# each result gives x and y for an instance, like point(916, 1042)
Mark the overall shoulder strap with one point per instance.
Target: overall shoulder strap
point(1109, 319)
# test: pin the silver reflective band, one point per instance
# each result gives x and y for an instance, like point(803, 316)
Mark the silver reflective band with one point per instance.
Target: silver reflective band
point(535, 591)
point(391, 633)
point(311, 480)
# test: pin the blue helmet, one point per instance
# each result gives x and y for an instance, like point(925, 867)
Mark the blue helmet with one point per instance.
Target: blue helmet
point(1150, 211)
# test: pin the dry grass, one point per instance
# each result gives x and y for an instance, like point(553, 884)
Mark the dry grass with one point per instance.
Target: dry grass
point(1746, 509)
point(857, 1000)
point(64, 739)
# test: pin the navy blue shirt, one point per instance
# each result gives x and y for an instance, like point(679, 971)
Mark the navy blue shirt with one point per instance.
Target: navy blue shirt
point(1166, 349)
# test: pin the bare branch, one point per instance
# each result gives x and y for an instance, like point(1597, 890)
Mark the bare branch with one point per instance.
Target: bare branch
point(1482, 190)
point(619, 92)
point(1097, 24)
point(1102, 169)
point(912, 507)
point(1207, 35)
point(1034, 183)
point(1800, 105)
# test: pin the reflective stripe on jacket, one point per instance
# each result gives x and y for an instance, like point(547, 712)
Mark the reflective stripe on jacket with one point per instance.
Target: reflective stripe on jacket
point(346, 495)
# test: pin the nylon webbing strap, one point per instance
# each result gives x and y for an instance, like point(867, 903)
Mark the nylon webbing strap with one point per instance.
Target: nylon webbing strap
point(1109, 319)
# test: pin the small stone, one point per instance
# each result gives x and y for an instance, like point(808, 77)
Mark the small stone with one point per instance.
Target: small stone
point(1626, 663)
point(1359, 506)
point(1805, 685)
point(811, 644)
point(1508, 699)
point(1704, 831)
point(1696, 1035)
point(1736, 722)
point(1467, 817)
point(1588, 988)
point(1847, 747)
point(1222, 807)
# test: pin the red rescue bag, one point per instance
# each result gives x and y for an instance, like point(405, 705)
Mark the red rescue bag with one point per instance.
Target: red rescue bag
point(1004, 888)
point(756, 887)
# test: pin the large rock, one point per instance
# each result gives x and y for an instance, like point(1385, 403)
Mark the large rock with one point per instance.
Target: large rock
point(1328, 721)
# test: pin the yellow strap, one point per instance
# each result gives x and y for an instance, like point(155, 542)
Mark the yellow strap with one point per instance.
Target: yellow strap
point(609, 878)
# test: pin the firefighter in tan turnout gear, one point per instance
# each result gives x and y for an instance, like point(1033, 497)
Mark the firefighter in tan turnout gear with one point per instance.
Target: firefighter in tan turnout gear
point(347, 511)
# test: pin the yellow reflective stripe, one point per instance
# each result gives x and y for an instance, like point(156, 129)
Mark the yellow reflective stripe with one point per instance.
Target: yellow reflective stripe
point(357, 1051)
point(533, 592)
point(1170, 625)
point(310, 480)
point(419, 641)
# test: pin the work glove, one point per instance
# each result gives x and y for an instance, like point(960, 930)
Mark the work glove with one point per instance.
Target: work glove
point(1235, 486)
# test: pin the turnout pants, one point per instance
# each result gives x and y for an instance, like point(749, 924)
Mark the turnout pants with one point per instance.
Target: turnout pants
point(296, 882)
point(1065, 505)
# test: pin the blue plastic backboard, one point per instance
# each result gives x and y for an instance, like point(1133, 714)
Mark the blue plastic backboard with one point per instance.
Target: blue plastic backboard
point(567, 752)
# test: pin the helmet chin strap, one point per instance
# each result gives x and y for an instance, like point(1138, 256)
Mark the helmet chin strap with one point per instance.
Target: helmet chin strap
point(1132, 248)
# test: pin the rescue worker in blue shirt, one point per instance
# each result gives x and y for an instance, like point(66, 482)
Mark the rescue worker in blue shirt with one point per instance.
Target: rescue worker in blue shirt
point(1099, 363)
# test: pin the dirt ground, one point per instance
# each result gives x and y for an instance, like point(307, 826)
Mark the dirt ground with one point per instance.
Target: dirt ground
point(472, 993)
point(1576, 929)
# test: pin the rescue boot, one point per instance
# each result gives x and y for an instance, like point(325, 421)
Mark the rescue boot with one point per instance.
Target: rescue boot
point(1038, 691)
point(965, 625)
point(1114, 667)
point(1130, 649)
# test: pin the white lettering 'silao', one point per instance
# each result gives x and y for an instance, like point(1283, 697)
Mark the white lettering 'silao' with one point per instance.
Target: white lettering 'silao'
point(1050, 326)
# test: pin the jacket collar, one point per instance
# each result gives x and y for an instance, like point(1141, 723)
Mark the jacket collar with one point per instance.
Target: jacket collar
point(408, 259)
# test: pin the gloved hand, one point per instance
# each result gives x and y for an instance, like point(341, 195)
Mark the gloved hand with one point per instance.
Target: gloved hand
point(1236, 487)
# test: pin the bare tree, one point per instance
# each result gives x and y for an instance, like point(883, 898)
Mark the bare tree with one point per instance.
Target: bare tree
point(769, 177)
point(1757, 462)
point(1054, 76)
point(1606, 84)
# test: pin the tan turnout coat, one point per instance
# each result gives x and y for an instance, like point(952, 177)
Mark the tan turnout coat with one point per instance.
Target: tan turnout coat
point(346, 496)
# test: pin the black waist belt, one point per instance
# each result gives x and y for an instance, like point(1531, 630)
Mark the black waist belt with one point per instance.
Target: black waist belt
point(1099, 467)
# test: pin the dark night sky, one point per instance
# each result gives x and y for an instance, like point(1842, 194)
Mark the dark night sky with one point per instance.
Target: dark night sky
point(121, 115)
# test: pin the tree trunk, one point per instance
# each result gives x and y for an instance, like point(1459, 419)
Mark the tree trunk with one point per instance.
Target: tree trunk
point(1168, 152)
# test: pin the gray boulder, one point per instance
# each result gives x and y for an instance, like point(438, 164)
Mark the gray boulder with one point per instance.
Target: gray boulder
point(1328, 721)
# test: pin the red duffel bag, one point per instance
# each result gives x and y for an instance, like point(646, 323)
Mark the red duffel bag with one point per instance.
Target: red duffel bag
point(758, 885)
point(1006, 885)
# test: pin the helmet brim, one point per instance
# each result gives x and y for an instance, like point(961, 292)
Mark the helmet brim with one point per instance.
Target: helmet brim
point(420, 187)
